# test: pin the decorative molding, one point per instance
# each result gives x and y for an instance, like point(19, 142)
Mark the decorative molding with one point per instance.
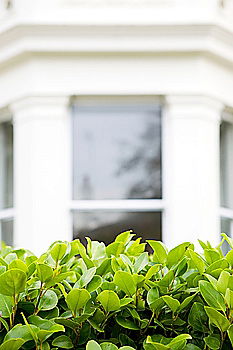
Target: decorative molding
point(119, 3)
point(21, 40)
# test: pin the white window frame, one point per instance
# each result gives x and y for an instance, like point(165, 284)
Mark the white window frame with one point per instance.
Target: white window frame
point(124, 205)
point(227, 213)
point(6, 213)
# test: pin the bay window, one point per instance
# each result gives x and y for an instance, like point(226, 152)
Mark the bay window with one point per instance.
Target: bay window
point(226, 174)
point(6, 182)
point(117, 167)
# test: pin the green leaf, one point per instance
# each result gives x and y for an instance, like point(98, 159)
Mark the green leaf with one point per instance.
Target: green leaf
point(108, 346)
point(45, 346)
point(138, 280)
point(140, 262)
point(125, 237)
point(179, 340)
point(155, 345)
point(229, 298)
point(85, 278)
point(104, 268)
point(211, 296)
point(76, 299)
point(58, 251)
point(186, 302)
point(177, 254)
point(213, 342)
point(48, 301)
point(228, 240)
point(115, 248)
point(160, 251)
point(197, 317)
point(218, 319)
point(152, 271)
point(18, 264)
point(46, 327)
point(230, 334)
point(221, 263)
point(12, 344)
point(223, 281)
point(126, 323)
point(4, 323)
point(190, 346)
point(63, 342)
point(21, 331)
point(93, 345)
point(109, 300)
point(94, 284)
point(135, 248)
point(172, 303)
point(152, 297)
point(167, 279)
point(96, 250)
point(12, 282)
point(6, 304)
point(197, 260)
point(229, 257)
point(125, 301)
point(44, 272)
point(82, 251)
point(125, 282)
point(212, 280)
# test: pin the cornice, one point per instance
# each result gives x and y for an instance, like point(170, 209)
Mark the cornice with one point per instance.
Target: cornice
point(23, 39)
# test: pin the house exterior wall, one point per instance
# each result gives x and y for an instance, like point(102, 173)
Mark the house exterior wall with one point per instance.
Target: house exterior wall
point(180, 51)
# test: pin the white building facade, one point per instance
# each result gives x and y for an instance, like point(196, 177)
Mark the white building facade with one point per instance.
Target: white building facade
point(115, 115)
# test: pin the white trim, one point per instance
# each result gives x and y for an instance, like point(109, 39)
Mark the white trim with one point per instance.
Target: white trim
point(226, 213)
point(130, 205)
point(8, 213)
point(24, 39)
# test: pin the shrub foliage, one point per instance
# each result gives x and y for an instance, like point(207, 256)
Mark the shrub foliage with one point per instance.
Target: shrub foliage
point(117, 296)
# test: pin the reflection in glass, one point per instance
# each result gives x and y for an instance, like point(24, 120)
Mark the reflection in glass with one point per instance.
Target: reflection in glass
point(6, 165)
point(226, 227)
point(105, 226)
point(226, 164)
point(7, 231)
point(116, 152)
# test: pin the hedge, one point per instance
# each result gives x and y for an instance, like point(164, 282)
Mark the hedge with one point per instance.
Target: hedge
point(117, 296)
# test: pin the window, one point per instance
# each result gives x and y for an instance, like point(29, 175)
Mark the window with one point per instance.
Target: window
point(226, 176)
point(6, 182)
point(116, 167)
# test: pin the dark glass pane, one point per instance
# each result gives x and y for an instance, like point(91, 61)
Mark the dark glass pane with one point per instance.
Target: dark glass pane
point(226, 228)
point(226, 164)
point(6, 165)
point(105, 226)
point(116, 152)
point(7, 231)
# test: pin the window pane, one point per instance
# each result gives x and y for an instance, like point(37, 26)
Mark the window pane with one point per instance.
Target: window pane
point(226, 164)
point(116, 151)
point(7, 231)
point(105, 226)
point(226, 225)
point(6, 165)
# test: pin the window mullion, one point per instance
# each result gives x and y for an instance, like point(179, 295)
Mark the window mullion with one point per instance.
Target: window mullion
point(7, 213)
point(118, 205)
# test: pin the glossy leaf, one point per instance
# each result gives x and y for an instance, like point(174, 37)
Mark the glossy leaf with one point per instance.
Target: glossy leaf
point(211, 296)
point(12, 282)
point(109, 300)
point(125, 282)
point(76, 299)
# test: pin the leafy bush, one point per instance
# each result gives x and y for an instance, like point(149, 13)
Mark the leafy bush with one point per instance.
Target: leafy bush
point(119, 296)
